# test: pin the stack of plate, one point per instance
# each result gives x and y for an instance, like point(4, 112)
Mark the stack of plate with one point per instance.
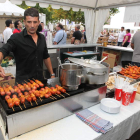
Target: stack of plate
point(110, 105)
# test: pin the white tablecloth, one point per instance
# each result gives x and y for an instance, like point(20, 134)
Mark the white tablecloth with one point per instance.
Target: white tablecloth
point(125, 124)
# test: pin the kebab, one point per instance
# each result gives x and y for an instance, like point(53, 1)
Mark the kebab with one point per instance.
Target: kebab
point(2, 92)
point(39, 83)
point(36, 93)
point(34, 98)
point(17, 89)
point(26, 87)
point(6, 90)
point(28, 98)
point(10, 88)
point(21, 87)
point(61, 89)
point(9, 102)
point(57, 91)
point(48, 90)
point(22, 99)
point(16, 101)
point(33, 83)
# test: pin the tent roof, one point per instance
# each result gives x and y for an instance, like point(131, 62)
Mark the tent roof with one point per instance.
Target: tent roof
point(9, 9)
point(82, 3)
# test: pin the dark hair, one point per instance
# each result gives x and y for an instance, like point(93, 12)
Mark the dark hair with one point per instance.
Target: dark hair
point(39, 29)
point(128, 30)
point(31, 12)
point(42, 22)
point(122, 27)
point(8, 22)
point(60, 25)
point(16, 23)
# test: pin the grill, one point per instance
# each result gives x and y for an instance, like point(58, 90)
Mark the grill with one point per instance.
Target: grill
point(21, 121)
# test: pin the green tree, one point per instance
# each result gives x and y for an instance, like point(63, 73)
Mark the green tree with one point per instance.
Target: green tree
point(55, 15)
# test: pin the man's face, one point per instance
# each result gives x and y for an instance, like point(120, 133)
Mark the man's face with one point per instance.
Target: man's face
point(31, 24)
point(57, 27)
point(12, 25)
point(122, 29)
point(19, 24)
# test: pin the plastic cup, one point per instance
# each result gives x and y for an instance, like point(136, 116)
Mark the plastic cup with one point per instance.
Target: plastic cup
point(118, 94)
point(133, 97)
point(126, 98)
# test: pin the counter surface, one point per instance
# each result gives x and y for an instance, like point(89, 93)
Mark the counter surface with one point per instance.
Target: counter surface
point(72, 46)
point(72, 128)
point(127, 49)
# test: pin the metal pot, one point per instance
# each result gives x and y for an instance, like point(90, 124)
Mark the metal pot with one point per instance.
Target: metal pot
point(70, 76)
point(96, 75)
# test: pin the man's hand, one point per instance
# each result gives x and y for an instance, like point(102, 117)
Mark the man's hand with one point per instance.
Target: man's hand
point(52, 77)
point(2, 73)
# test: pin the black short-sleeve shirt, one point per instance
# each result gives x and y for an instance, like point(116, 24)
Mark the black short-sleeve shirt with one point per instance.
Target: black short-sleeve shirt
point(28, 55)
point(77, 35)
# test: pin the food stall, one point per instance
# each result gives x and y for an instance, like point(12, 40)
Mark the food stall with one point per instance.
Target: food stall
point(37, 114)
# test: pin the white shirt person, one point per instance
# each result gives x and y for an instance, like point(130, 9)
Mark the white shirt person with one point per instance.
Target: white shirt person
point(8, 31)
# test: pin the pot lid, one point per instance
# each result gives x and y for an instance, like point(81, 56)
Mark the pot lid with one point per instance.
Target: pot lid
point(87, 62)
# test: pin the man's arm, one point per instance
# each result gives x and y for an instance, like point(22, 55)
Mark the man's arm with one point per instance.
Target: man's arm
point(132, 46)
point(49, 65)
point(72, 40)
point(2, 73)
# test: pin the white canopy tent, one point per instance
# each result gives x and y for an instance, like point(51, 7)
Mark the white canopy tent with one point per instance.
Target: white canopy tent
point(9, 11)
point(96, 11)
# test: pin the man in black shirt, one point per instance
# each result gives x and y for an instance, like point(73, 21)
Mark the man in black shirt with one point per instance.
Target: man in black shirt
point(77, 35)
point(29, 48)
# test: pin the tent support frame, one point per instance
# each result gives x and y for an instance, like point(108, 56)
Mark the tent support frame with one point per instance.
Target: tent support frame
point(61, 4)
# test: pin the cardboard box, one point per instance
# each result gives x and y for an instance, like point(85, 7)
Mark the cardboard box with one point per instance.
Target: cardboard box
point(9, 79)
point(113, 57)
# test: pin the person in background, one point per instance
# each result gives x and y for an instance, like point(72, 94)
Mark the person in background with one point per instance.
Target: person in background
point(39, 29)
point(85, 38)
point(60, 36)
point(121, 36)
point(110, 38)
point(127, 38)
point(102, 34)
point(135, 45)
point(77, 35)
point(8, 30)
point(18, 26)
point(44, 31)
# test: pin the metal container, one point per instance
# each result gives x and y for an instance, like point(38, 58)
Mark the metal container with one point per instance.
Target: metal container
point(96, 75)
point(93, 72)
point(70, 76)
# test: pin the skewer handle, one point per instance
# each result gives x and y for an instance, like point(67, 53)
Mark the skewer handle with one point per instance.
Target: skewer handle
point(67, 93)
point(13, 109)
point(20, 107)
point(40, 99)
point(31, 104)
point(36, 102)
point(24, 105)
point(62, 96)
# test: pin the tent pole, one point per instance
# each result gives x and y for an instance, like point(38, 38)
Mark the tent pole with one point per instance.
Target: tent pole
point(95, 18)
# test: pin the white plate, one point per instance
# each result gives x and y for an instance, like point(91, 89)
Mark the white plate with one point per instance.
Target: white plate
point(110, 105)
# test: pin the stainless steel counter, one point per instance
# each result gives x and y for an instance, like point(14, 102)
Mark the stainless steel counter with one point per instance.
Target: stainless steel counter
point(126, 49)
point(73, 46)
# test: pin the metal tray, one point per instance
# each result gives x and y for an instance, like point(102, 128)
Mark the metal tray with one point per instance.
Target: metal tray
point(112, 74)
